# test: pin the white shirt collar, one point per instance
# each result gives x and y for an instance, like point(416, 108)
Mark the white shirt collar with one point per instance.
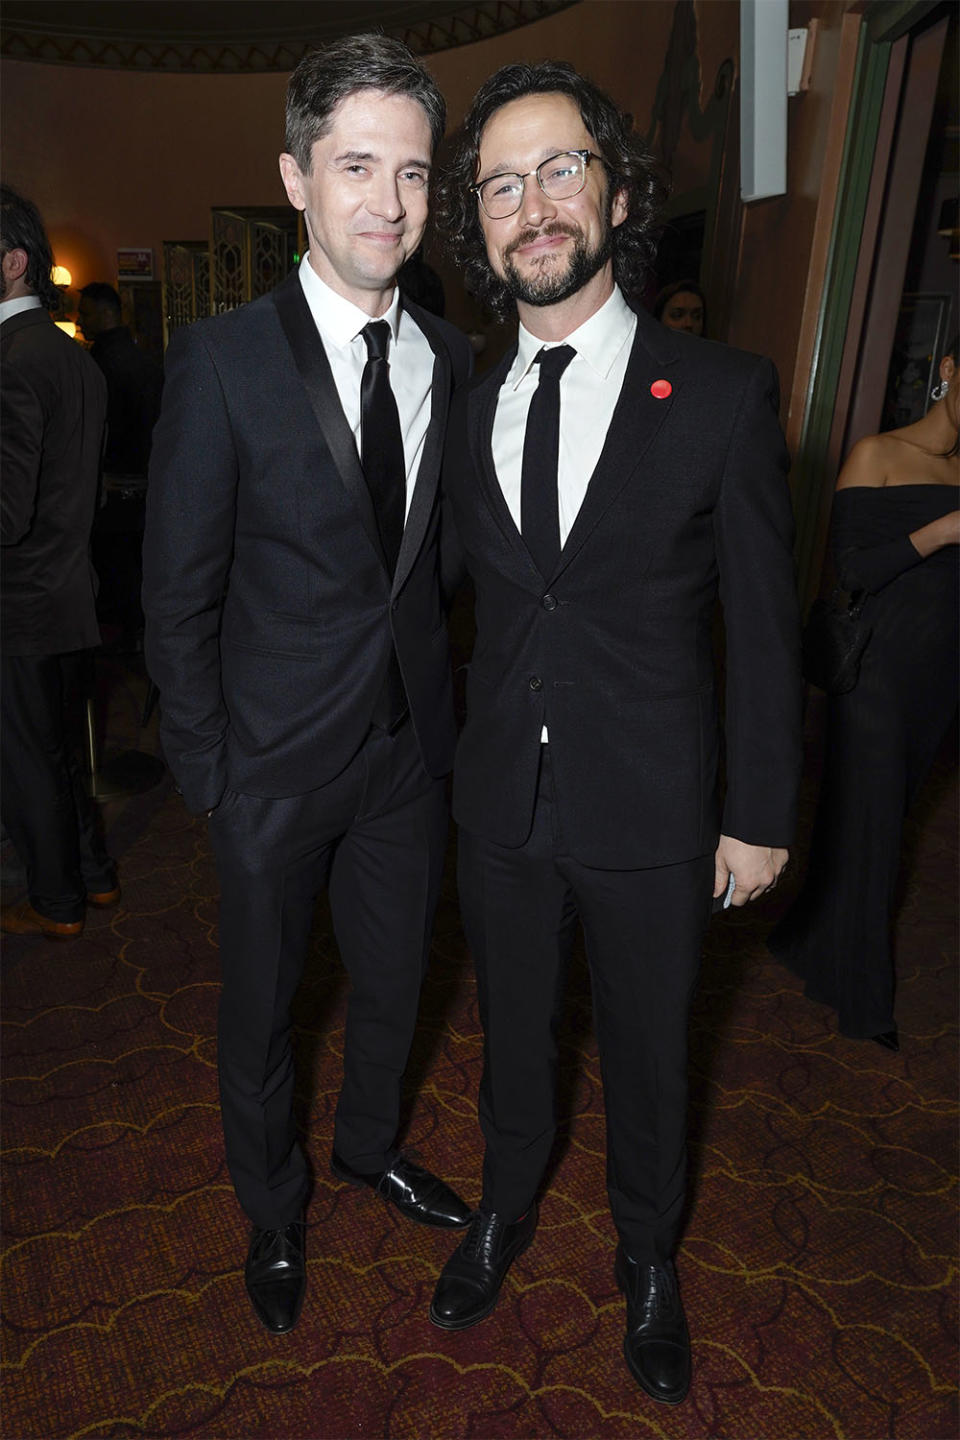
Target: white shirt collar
point(338, 319)
point(598, 340)
point(9, 308)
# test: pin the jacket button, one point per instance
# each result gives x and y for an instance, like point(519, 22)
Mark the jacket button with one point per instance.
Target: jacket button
point(549, 602)
point(535, 682)
point(395, 606)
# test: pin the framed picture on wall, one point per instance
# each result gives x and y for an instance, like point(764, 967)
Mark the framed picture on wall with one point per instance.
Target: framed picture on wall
point(922, 335)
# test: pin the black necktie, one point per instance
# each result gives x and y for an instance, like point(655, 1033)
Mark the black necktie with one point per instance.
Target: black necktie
point(381, 443)
point(381, 454)
point(539, 501)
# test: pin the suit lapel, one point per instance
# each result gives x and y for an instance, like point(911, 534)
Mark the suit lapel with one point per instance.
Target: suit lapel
point(636, 421)
point(481, 413)
point(314, 368)
point(428, 474)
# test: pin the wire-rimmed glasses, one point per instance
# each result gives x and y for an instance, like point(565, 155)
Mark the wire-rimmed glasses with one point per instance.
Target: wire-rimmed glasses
point(560, 178)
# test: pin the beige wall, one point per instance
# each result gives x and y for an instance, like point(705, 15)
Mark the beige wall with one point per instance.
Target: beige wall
point(114, 158)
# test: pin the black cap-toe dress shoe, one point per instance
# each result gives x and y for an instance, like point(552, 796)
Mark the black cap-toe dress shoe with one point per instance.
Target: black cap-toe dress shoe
point(656, 1346)
point(469, 1284)
point(276, 1275)
point(416, 1193)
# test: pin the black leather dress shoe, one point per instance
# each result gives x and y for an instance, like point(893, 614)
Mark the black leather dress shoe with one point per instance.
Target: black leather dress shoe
point(469, 1284)
point(656, 1346)
point(276, 1275)
point(417, 1194)
point(889, 1039)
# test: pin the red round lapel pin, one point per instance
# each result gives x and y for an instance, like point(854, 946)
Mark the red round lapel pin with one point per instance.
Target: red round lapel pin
point(661, 389)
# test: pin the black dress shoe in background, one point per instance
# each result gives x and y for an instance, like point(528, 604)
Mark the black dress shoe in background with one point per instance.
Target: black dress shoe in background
point(416, 1193)
point(656, 1346)
point(469, 1284)
point(276, 1275)
point(889, 1039)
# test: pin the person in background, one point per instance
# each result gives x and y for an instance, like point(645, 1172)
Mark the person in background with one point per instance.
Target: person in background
point(894, 533)
point(134, 389)
point(134, 381)
point(682, 306)
point(52, 407)
point(296, 634)
point(605, 481)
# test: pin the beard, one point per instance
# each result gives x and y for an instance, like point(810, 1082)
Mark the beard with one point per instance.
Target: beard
point(550, 286)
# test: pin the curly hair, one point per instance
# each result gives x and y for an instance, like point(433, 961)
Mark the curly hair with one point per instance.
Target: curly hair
point(630, 170)
point(356, 62)
point(21, 228)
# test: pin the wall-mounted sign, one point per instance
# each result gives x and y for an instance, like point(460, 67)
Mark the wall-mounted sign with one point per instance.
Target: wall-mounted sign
point(134, 263)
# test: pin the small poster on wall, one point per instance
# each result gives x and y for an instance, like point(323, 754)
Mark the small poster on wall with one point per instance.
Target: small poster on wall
point(135, 262)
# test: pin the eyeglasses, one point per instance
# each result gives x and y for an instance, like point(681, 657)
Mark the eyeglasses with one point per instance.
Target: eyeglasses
point(560, 178)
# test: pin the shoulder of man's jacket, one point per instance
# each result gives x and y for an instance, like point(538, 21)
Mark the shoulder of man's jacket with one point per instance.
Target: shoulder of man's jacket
point(232, 325)
point(697, 353)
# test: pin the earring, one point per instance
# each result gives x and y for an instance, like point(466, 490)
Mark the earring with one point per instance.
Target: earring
point(938, 391)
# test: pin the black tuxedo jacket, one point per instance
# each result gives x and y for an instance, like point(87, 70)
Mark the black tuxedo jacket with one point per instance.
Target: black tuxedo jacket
point(53, 403)
point(613, 651)
point(270, 612)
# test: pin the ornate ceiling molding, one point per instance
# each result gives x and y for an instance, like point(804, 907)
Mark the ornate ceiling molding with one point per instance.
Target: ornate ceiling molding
point(187, 38)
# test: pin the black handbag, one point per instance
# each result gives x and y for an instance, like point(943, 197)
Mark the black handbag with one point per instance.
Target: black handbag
point(834, 639)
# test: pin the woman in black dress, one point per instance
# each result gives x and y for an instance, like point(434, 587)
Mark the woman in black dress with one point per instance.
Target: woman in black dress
point(894, 532)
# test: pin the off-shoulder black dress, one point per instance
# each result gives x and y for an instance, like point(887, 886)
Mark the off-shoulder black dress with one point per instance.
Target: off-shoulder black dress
point(881, 740)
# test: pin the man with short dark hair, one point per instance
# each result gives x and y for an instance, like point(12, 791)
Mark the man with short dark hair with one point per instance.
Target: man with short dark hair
point(134, 380)
point(605, 481)
point(295, 632)
point(52, 403)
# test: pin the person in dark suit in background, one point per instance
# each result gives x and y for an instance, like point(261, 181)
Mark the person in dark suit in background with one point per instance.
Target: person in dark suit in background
point(52, 404)
point(134, 380)
point(604, 481)
point(134, 389)
point(296, 634)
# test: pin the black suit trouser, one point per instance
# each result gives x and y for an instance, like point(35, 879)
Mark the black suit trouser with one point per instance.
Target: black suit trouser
point(375, 836)
point(46, 811)
point(643, 931)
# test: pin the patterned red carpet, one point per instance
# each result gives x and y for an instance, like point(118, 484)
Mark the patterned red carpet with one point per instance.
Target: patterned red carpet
point(819, 1264)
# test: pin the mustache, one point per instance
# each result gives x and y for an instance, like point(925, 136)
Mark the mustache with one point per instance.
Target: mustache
point(526, 237)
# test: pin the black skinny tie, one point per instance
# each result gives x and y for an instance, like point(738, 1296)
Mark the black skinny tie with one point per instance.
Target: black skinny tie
point(539, 499)
point(381, 443)
point(381, 454)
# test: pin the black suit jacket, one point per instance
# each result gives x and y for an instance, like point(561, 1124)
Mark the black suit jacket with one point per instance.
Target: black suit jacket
point(53, 401)
point(614, 650)
point(134, 387)
point(269, 609)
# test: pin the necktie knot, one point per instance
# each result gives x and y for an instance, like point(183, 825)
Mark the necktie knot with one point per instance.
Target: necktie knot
point(554, 361)
point(377, 336)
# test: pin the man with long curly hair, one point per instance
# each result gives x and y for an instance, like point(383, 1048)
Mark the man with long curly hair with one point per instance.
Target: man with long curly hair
point(603, 484)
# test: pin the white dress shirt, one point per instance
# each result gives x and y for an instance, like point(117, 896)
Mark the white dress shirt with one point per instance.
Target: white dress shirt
point(340, 323)
point(589, 390)
point(9, 308)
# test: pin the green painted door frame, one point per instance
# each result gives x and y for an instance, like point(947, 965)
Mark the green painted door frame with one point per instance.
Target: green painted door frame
point(852, 190)
point(886, 21)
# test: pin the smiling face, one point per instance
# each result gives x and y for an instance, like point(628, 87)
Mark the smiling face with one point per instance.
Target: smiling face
point(365, 199)
point(550, 252)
